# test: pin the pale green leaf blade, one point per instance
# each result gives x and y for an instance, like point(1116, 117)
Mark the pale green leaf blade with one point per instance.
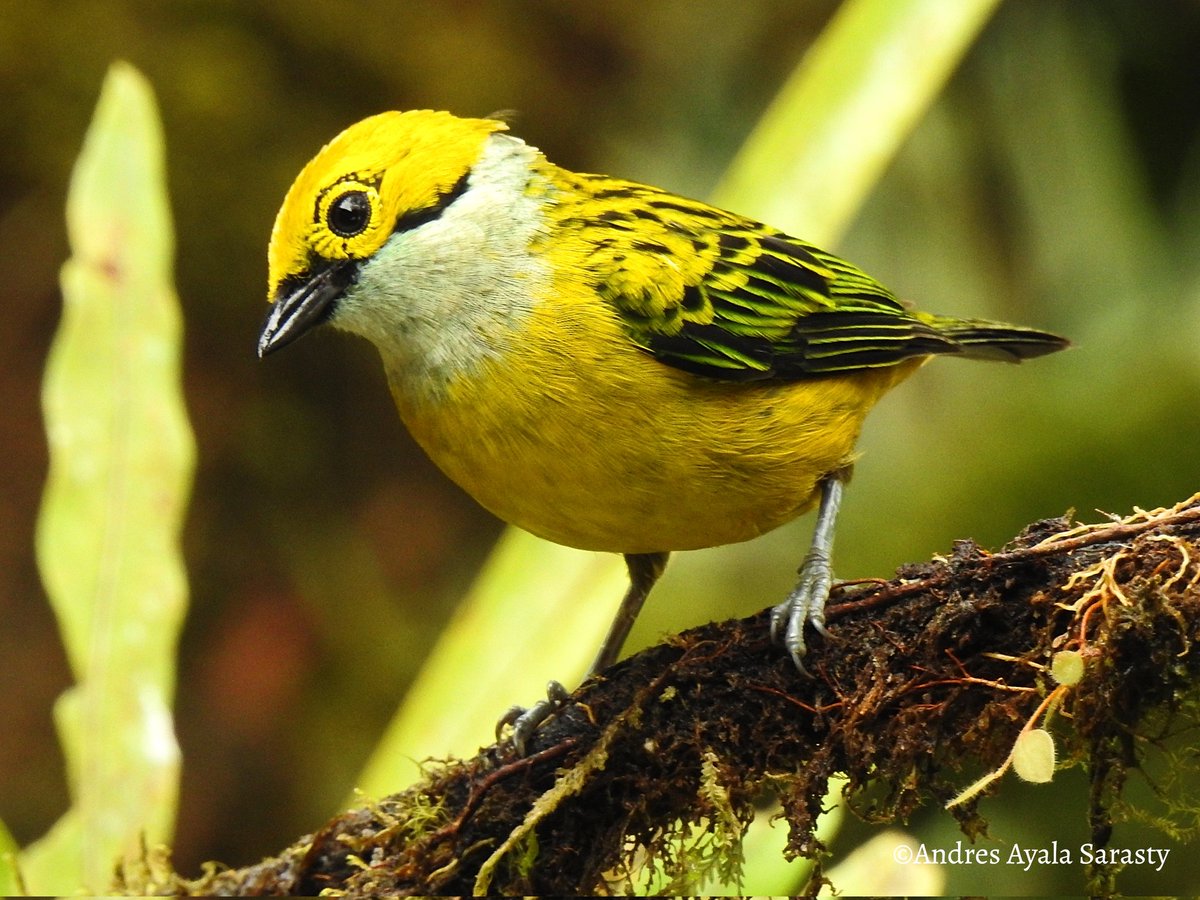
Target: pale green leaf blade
point(10, 878)
point(57, 858)
point(838, 121)
point(886, 866)
point(121, 461)
point(537, 611)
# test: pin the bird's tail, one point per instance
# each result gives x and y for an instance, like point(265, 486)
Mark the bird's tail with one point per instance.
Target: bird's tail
point(980, 339)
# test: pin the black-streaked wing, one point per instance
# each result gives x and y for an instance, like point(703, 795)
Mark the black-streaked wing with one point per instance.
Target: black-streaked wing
point(722, 296)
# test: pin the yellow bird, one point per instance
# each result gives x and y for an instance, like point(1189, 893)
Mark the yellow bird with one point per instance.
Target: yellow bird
point(603, 363)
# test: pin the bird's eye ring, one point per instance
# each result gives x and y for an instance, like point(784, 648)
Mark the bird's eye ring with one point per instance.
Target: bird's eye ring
point(349, 214)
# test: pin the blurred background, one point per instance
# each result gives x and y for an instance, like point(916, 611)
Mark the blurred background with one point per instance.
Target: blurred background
point(1056, 183)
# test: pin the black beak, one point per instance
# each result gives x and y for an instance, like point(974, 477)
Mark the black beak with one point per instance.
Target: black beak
point(303, 302)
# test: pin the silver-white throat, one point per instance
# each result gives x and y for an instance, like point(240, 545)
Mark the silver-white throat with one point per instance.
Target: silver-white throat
point(440, 299)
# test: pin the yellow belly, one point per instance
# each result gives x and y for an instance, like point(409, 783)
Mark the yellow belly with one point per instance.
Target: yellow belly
point(587, 441)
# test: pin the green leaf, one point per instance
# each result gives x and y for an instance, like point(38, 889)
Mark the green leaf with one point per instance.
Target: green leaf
point(1067, 667)
point(537, 611)
point(121, 461)
point(836, 124)
point(10, 876)
point(886, 866)
point(1033, 756)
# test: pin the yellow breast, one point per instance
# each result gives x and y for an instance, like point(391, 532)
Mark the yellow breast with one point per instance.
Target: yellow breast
point(583, 439)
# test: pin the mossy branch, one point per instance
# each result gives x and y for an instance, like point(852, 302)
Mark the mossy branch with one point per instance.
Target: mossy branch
point(926, 683)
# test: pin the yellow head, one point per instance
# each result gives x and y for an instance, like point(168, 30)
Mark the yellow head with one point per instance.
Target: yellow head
point(387, 174)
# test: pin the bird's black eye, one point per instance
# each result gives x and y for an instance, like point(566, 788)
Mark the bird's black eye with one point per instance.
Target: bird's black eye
point(349, 214)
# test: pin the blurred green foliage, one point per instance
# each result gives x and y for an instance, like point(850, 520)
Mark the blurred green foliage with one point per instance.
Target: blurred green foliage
point(1056, 183)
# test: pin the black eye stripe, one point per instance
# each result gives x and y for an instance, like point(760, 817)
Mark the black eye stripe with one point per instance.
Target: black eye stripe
point(415, 218)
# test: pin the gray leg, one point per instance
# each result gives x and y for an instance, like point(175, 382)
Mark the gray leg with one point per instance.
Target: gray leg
point(644, 571)
point(806, 603)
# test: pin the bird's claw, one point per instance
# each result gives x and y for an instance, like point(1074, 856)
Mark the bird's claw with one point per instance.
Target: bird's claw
point(524, 721)
point(805, 605)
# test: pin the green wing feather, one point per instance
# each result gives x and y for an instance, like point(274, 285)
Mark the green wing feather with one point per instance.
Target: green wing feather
point(723, 296)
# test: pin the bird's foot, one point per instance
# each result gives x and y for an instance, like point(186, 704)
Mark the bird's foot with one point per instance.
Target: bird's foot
point(524, 721)
point(805, 605)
